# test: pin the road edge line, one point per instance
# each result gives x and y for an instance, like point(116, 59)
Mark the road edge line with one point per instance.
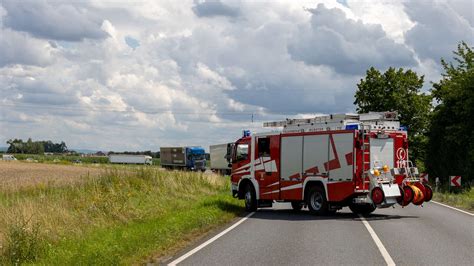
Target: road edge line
point(386, 256)
point(454, 208)
point(196, 249)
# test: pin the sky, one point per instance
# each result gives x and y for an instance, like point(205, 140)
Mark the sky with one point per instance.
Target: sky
point(136, 75)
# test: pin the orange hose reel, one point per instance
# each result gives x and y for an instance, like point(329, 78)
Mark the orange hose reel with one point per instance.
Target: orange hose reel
point(418, 196)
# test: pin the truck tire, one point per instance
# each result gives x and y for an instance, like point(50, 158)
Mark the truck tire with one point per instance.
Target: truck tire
point(297, 205)
point(363, 209)
point(250, 198)
point(316, 201)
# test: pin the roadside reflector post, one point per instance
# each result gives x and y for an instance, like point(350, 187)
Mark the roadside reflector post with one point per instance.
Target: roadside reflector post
point(454, 181)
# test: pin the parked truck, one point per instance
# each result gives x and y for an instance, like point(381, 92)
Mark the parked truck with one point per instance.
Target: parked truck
point(8, 157)
point(130, 159)
point(219, 155)
point(328, 162)
point(185, 158)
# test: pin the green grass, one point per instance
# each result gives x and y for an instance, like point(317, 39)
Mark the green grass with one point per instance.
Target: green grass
point(62, 159)
point(156, 161)
point(126, 216)
point(463, 199)
point(70, 159)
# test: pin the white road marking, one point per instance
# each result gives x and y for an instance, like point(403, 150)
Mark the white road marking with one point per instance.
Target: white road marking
point(377, 241)
point(196, 249)
point(447, 206)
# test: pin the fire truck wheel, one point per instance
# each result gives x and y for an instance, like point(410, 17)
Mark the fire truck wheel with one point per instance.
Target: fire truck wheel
point(364, 209)
point(250, 198)
point(297, 205)
point(316, 201)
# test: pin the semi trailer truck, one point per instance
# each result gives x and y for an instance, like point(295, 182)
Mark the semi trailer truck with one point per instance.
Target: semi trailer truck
point(219, 156)
point(184, 158)
point(130, 159)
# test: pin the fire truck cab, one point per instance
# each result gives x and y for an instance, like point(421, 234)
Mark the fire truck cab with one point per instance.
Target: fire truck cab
point(326, 163)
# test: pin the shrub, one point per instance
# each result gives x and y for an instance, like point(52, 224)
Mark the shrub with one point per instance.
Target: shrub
point(24, 243)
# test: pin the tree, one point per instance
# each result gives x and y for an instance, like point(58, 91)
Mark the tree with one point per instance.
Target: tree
point(451, 139)
point(398, 90)
point(16, 146)
point(35, 147)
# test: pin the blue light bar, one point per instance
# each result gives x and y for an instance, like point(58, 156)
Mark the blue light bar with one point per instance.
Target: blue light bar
point(246, 133)
point(352, 127)
point(403, 128)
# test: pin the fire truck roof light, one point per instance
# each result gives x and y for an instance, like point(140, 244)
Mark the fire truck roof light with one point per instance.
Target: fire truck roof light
point(352, 127)
point(246, 133)
point(403, 128)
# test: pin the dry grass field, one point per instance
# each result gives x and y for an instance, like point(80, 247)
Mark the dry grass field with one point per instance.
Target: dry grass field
point(67, 214)
point(15, 176)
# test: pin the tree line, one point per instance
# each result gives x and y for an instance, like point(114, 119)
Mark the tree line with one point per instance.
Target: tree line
point(42, 146)
point(440, 123)
point(35, 147)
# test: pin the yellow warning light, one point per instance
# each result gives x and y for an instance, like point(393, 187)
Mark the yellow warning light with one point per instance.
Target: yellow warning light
point(376, 172)
point(385, 168)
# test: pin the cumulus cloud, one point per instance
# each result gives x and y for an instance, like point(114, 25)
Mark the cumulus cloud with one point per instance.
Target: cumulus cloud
point(18, 48)
point(347, 45)
point(465, 8)
point(439, 27)
point(52, 20)
point(115, 76)
point(211, 8)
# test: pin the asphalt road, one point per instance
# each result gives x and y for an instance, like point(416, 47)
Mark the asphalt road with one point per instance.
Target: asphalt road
point(429, 235)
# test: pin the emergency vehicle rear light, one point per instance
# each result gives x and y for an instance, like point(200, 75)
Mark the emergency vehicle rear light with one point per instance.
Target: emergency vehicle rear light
point(352, 127)
point(403, 128)
point(246, 133)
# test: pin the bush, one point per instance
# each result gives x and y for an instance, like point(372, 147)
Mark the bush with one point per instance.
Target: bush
point(24, 243)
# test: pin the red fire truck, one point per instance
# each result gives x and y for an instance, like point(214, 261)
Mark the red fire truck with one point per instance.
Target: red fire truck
point(326, 163)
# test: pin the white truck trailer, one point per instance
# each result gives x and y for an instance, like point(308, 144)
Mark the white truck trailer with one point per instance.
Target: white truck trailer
point(219, 155)
point(8, 157)
point(130, 159)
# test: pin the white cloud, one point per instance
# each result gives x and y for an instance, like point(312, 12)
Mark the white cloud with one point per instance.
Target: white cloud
point(214, 8)
point(439, 27)
point(18, 48)
point(389, 14)
point(347, 45)
point(52, 20)
point(201, 70)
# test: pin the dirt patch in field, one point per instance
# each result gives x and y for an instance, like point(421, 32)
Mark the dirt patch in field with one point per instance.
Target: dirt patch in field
point(16, 176)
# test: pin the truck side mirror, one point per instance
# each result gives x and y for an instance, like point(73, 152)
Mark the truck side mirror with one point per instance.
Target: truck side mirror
point(229, 165)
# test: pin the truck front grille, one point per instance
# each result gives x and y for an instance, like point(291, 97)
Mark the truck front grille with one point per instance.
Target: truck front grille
point(199, 164)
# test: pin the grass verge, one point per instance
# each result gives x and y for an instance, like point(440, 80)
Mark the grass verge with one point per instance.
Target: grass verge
point(122, 217)
point(464, 200)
